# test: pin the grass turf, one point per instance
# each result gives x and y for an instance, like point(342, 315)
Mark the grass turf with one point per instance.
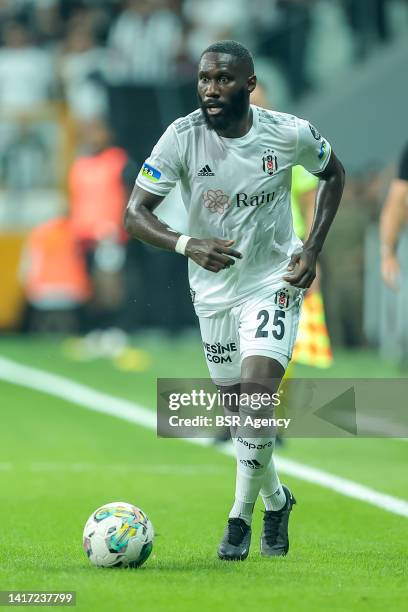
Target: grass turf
point(58, 462)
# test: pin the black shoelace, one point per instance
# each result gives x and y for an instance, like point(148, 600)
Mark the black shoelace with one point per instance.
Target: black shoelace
point(272, 522)
point(237, 528)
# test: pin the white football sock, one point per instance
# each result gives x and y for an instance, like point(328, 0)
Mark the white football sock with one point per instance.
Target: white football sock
point(242, 510)
point(255, 466)
point(253, 458)
point(273, 495)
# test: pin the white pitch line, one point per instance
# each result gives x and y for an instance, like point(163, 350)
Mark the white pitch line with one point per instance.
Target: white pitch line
point(336, 483)
point(76, 393)
point(82, 395)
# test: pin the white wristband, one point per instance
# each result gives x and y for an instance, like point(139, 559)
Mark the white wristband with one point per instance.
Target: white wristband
point(181, 244)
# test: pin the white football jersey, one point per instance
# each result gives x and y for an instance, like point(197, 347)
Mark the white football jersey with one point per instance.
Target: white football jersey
point(236, 189)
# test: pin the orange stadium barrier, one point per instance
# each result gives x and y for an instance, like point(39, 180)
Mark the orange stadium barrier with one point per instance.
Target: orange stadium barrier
point(12, 295)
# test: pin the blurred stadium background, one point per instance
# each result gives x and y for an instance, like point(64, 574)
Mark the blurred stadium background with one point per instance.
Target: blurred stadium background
point(86, 88)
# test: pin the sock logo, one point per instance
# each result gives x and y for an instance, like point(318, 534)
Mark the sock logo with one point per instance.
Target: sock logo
point(251, 463)
point(251, 445)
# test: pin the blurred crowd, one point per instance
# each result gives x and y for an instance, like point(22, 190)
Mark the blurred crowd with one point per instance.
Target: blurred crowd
point(78, 270)
point(51, 49)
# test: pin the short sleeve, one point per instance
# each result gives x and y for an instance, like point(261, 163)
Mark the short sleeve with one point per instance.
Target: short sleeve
point(161, 170)
point(403, 165)
point(312, 151)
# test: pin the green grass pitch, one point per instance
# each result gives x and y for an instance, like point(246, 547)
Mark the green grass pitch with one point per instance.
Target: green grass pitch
point(59, 462)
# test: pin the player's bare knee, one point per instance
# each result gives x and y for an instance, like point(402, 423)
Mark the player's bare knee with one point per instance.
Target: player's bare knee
point(259, 367)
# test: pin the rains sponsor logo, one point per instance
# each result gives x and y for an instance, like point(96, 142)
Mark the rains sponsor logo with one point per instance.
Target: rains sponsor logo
point(217, 201)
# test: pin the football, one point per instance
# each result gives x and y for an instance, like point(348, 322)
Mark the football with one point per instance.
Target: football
point(118, 534)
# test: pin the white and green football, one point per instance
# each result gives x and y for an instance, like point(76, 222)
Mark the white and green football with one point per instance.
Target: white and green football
point(118, 534)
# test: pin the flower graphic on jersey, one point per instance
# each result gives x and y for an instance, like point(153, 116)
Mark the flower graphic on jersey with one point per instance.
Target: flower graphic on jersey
point(215, 200)
point(269, 162)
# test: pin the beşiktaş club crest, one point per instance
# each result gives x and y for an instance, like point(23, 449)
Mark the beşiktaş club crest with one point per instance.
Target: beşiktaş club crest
point(269, 162)
point(282, 298)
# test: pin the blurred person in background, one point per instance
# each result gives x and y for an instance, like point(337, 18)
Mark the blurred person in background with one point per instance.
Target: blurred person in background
point(54, 277)
point(147, 40)
point(83, 69)
point(211, 20)
point(281, 34)
point(95, 14)
point(25, 159)
point(393, 218)
point(27, 72)
point(97, 197)
point(42, 17)
point(368, 20)
point(343, 263)
point(27, 82)
point(45, 20)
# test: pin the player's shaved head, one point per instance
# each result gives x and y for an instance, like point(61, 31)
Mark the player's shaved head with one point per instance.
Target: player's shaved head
point(241, 55)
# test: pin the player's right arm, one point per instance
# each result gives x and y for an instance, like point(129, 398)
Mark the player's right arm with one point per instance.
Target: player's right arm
point(140, 221)
point(156, 179)
point(392, 219)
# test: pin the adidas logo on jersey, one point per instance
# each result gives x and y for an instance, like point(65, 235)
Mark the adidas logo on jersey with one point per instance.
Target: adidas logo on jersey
point(206, 171)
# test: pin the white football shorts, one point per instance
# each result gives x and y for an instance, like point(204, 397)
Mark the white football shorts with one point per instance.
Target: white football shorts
point(265, 324)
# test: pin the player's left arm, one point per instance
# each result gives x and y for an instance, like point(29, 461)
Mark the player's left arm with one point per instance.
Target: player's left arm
point(331, 183)
point(307, 203)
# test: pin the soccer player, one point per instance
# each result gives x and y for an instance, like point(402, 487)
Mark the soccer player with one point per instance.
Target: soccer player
point(247, 268)
point(393, 217)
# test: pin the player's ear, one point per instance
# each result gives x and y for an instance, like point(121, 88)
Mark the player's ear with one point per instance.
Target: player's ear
point(251, 83)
